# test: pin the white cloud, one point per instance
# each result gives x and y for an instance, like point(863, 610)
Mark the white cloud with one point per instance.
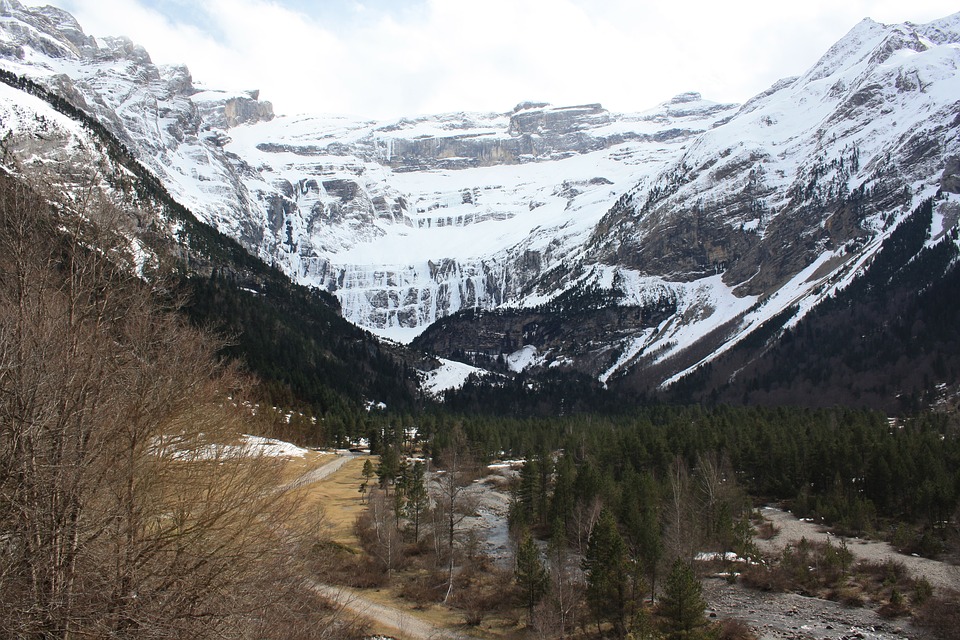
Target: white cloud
point(487, 55)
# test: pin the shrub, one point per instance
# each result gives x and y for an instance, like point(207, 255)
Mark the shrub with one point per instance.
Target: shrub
point(425, 588)
point(767, 530)
point(940, 615)
point(922, 590)
point(896, 607)
point(734, 629)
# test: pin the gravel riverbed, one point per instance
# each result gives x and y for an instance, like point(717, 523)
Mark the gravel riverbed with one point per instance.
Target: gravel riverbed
point(788, 616)
point(782, 616)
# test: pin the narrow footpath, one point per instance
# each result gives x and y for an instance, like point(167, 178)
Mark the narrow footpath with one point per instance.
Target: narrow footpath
point(406, 626)
point(320, 473)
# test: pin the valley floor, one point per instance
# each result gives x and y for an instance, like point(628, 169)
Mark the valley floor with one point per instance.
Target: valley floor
point(773, 616)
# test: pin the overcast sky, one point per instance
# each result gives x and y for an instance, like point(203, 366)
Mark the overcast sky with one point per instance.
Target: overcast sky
point(390, 58)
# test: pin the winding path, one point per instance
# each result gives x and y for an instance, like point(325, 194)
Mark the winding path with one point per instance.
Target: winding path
point(405, 624)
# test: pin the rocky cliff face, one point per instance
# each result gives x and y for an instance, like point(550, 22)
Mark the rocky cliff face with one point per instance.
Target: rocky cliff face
point(413, 220)
point(777, 205)
point(816, 163)
point(696, 221)
point(156, 111)
point(222, 110)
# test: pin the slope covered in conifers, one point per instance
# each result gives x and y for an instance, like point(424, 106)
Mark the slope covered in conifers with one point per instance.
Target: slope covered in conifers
point(888, 341)
point(291, 336)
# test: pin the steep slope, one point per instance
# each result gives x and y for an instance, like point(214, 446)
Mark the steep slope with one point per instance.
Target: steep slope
point(406, 221)
point(766, 214)
point(292, 336)
point(410, 221)
point(170, 125)
point(890, 340)
point(873, 118)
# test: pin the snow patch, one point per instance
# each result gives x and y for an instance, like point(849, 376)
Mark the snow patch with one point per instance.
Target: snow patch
point(522, 358)
point(248, 447)
point(449, 375)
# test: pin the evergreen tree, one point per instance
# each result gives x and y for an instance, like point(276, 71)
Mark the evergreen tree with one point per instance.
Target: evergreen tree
point(681, 605)
point(640, 516)
point(531, 575)
point(643, 626)
point(418, 500)
point(389, 466)
point(526, 499)
point(367, 471)
point(605, 564)
point(562, 500)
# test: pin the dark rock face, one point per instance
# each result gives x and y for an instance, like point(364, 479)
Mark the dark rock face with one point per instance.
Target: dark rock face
point(562, 340)
point(689, 243)
point(950, 179)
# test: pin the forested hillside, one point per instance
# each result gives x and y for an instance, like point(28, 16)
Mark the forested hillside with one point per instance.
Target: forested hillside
point(291, 336)
point(629, 508)
point(886, 341)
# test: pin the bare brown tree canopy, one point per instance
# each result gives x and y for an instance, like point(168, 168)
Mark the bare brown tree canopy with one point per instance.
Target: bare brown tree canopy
point(117, 518)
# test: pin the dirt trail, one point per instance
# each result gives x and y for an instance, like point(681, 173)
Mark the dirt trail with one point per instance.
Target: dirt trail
point(403, 623)
point(406, 625)
point(939, 574)
point(320, 473)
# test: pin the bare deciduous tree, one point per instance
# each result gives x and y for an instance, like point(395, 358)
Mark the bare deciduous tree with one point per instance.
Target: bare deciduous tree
point(681, 534)
point(122, 513)
point(377, 529)
point(586, 512)
point(449, 492)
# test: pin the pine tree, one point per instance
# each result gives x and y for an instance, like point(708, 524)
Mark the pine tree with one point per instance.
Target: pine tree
point(681, 605)
point(389, 467)
point(530, 573)
point(605, 564)
point(367, 471)
point(640, 517)
point(528, 492)
point(561, 502)
point(418, 500)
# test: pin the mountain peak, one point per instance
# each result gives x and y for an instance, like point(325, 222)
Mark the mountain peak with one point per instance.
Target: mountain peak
point(527, 105)
point(944, 30)
point(687, 96)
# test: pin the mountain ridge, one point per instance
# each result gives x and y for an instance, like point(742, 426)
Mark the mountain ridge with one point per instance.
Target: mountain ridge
point(725, 216)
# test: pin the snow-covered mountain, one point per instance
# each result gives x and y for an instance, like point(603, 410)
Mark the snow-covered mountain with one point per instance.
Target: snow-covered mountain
point(411, 221)
point(567, 237)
